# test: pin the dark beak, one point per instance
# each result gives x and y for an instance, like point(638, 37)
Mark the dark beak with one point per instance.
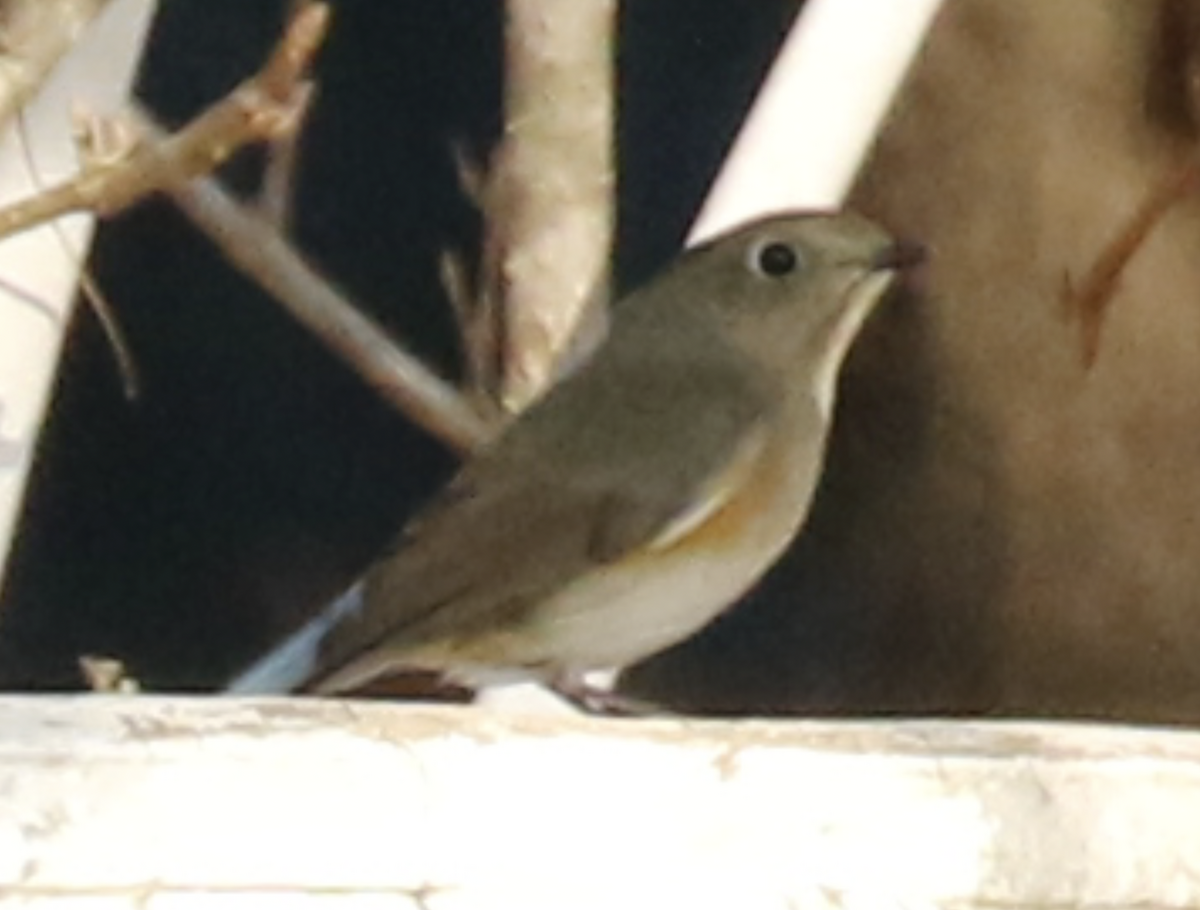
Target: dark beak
point(903, 254)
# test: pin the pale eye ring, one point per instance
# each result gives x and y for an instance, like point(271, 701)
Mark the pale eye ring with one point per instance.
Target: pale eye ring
point(776, 259)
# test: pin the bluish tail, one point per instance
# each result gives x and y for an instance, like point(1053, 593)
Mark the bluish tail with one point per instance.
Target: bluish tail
point(294, 662)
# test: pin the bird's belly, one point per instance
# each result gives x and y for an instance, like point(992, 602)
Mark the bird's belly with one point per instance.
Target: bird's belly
point(629, 610)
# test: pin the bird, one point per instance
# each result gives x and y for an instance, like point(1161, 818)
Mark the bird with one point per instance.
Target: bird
point(639, 497)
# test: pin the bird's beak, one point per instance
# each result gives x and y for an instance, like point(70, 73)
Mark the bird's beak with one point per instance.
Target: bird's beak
point(898, 256)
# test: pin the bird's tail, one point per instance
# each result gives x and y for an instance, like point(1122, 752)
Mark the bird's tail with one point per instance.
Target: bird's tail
point(295, 661)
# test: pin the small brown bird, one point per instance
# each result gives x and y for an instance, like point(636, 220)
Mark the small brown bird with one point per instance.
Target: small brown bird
point(638, 498)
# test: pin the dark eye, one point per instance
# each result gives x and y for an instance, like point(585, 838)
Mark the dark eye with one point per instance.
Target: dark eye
point(776, 259)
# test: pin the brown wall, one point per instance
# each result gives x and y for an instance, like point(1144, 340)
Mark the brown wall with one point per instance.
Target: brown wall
point(1003, 531)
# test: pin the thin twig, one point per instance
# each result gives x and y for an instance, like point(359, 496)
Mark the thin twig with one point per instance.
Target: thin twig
point(476, 304)
point(106, 315)
point(1092, 298)
point(91, 144)
point(270, 260)
point(452, 273)
point(279, 178)
point(34, 302)
point(275, 196)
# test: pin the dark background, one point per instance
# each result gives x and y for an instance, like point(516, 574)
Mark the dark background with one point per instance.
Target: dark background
point(255, 476)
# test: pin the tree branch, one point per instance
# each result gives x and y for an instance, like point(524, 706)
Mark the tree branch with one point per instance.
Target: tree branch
point(549, 197)
point(261, 108)
point(264, 107)
point(259, 251)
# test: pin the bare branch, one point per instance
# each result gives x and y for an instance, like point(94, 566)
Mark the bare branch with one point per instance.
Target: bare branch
point(476, 336)
point(549, 200)
point(262, 254)
point(106, 315)
point(264, 107)
point(261, 108)
point(275, 196)
point(103, 140)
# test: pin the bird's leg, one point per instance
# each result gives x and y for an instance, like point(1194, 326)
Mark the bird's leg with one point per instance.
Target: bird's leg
point(589, 698)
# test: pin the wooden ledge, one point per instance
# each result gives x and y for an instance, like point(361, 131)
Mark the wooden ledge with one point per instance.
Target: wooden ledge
point(163, 802)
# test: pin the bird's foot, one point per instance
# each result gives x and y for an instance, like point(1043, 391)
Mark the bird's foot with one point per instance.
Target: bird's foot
point(603, 702)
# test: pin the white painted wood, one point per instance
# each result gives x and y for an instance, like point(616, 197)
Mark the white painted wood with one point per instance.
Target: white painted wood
point(39, 269)
point(819, 110)
point(160, 802)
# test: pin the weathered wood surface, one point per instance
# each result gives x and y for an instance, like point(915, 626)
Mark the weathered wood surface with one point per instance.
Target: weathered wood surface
point(166, 802)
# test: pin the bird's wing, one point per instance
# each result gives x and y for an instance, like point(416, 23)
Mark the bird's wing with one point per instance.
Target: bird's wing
point(553, 499)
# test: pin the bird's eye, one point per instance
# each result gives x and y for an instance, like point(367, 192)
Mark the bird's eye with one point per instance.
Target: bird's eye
point(776, 259)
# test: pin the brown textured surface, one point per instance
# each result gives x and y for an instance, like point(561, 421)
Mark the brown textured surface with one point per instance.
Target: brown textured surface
point(1001, 530)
